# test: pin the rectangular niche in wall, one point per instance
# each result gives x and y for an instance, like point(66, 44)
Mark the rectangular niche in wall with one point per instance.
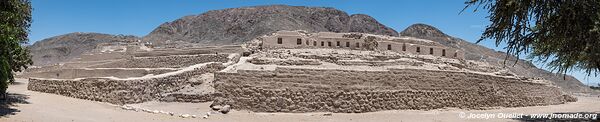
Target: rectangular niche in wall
point(279, 41)
point(431, 51)
point(443, 52)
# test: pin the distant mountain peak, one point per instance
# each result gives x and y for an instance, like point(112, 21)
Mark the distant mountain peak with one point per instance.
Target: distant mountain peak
point(237, 25)
point(422, 30)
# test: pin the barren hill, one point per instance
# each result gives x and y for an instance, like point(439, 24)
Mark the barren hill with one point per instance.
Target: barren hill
point(480, 53)
point(68, 46)
point(237, 25)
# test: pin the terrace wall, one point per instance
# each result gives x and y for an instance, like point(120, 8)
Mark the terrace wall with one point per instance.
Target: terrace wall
point(313, 90)
point(86, 73)
point(120, 91)
point(175, 61)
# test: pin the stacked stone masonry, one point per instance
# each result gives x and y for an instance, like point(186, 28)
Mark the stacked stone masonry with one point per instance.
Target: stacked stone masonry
point(117, 91)
point(192, 98)
point(175, 61)
point(88, 73)
point(316, 90)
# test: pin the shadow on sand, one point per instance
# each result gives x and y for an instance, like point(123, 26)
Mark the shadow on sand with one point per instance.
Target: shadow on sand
point(7, 105)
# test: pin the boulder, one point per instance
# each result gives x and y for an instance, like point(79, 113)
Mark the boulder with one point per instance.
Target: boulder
point(225, 109)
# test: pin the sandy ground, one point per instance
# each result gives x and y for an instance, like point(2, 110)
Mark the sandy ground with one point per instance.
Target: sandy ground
point(38, 107)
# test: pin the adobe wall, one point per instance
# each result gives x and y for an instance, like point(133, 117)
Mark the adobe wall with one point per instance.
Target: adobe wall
point(313, 90)
point(175, 61)
point(292, 39)
point(423, 50)
point(120, 91)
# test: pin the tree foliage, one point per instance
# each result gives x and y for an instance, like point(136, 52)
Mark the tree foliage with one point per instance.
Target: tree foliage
point(563, 33)
point(15, 20)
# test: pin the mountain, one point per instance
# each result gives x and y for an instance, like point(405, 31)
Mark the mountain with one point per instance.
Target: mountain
point(481, 53)
point(237, 25)
point(68, 46)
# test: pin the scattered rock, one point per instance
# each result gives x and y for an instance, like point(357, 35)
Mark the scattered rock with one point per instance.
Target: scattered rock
point(216, 107)
point(225, 109)
point(163, 112)
point(126, 107)
point(246, 53)
point(185, 116)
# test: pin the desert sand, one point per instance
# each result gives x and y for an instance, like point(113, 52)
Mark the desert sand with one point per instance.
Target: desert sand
point(28, 106)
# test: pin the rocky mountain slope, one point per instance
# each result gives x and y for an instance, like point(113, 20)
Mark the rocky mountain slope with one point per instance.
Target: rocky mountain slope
point(480, 53)
point(68, 46)
point(237, 25)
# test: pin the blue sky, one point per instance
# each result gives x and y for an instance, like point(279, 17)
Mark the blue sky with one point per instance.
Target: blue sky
point(140, 17)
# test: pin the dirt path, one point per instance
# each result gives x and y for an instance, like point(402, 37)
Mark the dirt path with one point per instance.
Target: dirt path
point(37, 107)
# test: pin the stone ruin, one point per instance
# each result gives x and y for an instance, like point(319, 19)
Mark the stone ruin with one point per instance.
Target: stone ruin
point(356, 41)
point(295, 71)
point(131, 77)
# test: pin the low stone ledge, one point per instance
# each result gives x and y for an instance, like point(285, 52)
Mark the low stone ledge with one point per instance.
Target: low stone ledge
point(192, 98)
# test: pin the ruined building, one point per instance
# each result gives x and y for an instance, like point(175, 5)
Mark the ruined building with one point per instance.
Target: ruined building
point(359, 41)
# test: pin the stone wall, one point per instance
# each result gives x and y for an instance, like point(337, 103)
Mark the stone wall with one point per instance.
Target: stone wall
point(192, 98)
point(175, 61)
point(263, 61)
point(189, 51)
point(423, 50)
point(312, 90)
point(120, 91)
point(291, 39)
point(87, 73)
